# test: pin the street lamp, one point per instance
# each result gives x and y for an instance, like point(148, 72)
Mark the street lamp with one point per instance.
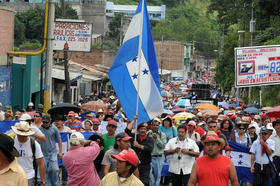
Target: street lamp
point(239, 36)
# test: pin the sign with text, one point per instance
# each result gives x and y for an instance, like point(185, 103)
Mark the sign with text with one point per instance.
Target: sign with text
point(72, 36)
point(257, 66)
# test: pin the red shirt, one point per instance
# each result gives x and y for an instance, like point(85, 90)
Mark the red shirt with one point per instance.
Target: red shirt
point(213, 172)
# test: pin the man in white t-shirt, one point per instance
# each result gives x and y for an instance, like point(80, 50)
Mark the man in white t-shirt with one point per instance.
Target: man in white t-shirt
point(25, 159)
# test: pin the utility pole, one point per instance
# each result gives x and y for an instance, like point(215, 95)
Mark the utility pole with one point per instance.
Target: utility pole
point(121, 30)
point(252, 31)
point(161, 58)
point(49, 58)
point(66, 65)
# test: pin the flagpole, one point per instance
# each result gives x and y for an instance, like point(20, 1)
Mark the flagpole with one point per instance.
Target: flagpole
point(139, 59)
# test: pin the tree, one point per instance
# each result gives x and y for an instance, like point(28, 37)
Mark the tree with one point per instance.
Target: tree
point(70, 13)
point(114, 28)
point(19, 31)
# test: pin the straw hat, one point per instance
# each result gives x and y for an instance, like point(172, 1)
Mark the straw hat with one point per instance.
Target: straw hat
point(212, 136)
point(22, 128)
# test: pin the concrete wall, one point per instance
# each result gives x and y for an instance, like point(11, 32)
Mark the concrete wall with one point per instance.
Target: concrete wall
point(94, 11)
point(171, 54)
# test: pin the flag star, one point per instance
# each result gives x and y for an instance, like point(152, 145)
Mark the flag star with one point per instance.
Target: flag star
point(134, 76)
point(240, 162)
point(145, 71)
point(134, 59)
point(240, 156)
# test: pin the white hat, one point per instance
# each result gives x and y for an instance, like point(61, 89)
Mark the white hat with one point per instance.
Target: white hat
point(76, 138)
point(25, 117)
point(0, 104)
point(156, 119)
point(269, 126)
point(30, 104)
point(22, 128)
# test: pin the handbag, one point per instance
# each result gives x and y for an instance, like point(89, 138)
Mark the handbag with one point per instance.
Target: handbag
point(273, 169)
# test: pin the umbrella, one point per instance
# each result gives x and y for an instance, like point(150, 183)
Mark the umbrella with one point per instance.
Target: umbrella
point(207, 107)
point(63, 109)
point(252, 110)
point(254, 105)
point(212, 113)
point(183, 103)
point(177, 110)
point(274, 112)
point(183, 116)
point(166, 94)
point(232, 105)
point(241, 101)
point(223, 104)
point(94, 106)
point(169, 112)
point(266, 108)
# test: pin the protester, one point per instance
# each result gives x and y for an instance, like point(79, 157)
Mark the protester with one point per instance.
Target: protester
point(183, 151)
point(11, 173)
point(50, 151)
point(71, 122)
point(191, 131)
point(213, 169)
point(29, 152)
point(167, 128)
point(79, 161)
point(127, 162)
point(157, 153)
point(38, 135)
point(59, 123)
point(261, 150)
point(143, 146)
point(87, 126)
point(122, 143)
point(109, 138)
point(2, 113)
point(276, 152)
point(30, 107)
point(96, 126)
point(241, 136)
point(226, 128)
point(37, 119)
point(252, 132)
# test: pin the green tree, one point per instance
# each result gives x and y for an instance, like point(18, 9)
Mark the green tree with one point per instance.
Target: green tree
point(114, 29)
point(19, 31)
point(70, 13)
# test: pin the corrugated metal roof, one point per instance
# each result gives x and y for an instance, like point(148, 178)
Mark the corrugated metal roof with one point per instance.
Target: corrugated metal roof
point(59, 74)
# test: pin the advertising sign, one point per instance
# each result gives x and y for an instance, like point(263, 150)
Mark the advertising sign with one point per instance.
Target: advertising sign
point(257, 66)
point(72, 36)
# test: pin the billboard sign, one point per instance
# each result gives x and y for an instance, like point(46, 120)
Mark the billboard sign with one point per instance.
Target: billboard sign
point(72, 36)
point(257, 66)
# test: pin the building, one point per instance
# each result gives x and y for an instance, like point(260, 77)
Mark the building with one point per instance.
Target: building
point(6, 45)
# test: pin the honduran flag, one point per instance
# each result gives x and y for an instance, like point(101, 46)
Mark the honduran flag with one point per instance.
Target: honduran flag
point(241, 158)
point(134, 71)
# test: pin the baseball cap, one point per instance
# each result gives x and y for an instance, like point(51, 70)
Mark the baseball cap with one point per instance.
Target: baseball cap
point(123, 136)
point(156, 119)
point(46, 118)
point(25, 117)
point(269, 126)
point(76, 138)
point(258, 117)
point(192, 123)
point(71, 113)
point(112, 122)
point(264, 130)
point(142, 125)
point(95, 121)
point(7, 145)
point(91, 115)
point(128, 156)
point(251, 126)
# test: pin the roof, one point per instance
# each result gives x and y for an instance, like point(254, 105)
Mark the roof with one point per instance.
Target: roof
point(59, 74)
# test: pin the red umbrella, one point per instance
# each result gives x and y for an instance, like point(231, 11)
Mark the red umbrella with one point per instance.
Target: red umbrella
point(274, 112)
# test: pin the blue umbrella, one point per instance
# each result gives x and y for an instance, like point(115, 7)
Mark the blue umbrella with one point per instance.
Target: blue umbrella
point(223, 104)
point(166, 111)
point(252, 110)
point(183, 103)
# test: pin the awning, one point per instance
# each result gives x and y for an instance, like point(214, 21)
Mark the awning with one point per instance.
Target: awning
point(59, 74)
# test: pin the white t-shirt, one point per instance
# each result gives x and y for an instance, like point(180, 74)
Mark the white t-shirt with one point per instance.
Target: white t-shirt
point(25, 158)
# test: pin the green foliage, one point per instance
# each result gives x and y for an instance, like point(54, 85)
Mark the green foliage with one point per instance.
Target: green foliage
point(19, 31)
point(109, 45)
point(30, 44)
point(114, 28)
point(70, 13)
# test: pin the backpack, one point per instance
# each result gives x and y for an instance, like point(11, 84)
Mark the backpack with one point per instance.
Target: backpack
point(33, 149)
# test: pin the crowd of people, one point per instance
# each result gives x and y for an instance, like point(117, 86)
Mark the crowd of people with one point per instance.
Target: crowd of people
point(119, 152)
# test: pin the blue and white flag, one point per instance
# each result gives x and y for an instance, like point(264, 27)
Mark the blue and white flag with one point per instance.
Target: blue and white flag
point(133, 67)
point(241, 158)
point(5, 126)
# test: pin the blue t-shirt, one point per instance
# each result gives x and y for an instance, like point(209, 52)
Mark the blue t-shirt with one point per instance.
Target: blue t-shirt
point(169, 132)
point(49, 146)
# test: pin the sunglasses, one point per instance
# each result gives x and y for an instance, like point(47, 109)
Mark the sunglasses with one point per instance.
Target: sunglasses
point(36, 116)
point(241, 128)
point(212, 127)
